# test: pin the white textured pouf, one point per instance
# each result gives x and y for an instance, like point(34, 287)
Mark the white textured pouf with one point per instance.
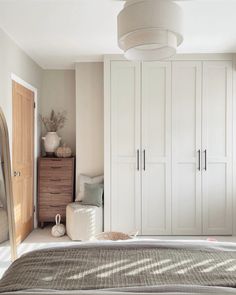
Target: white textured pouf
point(83, 222)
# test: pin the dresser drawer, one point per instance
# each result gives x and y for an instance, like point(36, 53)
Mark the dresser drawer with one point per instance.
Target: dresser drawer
point(59, 174)
point(49, 212)
point(51, 186)
point(55, 199)
point(56, 162)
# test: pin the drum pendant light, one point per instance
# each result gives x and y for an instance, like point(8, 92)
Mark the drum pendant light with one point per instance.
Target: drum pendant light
point(149, 29)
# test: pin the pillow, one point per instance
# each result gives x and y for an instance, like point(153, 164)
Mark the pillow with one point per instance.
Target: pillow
point(86, 179)
point(113, 236)
point(93, 193)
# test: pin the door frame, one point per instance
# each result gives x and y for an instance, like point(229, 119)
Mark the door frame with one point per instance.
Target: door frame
point(25, 84)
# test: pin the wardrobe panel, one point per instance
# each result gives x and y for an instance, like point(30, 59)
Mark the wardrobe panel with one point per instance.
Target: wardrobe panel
point(123, 204)
point(217, 147)
point(125, 142)
point(215, 101)
point(154, 201)
point(184, 102)
point(124, 114)
point(217, 195)
point(154, 108)
point(186, 146)
point(170, 147)
point(156, 145)
point(186, 175)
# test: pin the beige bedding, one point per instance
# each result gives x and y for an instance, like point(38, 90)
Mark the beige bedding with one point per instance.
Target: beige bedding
point(121, 265)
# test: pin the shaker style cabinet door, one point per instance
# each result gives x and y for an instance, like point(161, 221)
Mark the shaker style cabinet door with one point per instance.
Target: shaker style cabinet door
point(170, 147)
point(186, 148)
point(156, 148)
point(217, 147)
point(125, 146)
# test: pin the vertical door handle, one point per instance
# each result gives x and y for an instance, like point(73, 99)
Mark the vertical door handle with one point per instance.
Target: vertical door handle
point(144, 160)
point(205, 153)
point(138, 159)
point(199, 160)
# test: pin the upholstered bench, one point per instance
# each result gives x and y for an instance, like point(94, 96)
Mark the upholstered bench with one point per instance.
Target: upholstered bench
point(83, 222)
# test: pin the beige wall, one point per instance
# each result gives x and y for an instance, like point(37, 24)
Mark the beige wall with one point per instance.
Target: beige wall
point(56, 89)
point(58, 93)
point(89, 118)
point(14, 61)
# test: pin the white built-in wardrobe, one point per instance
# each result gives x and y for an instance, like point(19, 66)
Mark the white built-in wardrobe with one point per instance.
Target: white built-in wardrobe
point(168, 147)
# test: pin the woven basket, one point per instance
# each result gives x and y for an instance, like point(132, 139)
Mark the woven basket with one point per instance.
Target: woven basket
point(63, 152)
point(114, 236)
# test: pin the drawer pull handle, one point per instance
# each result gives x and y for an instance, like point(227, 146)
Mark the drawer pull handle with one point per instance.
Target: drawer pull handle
point(138, 159)
point(199, 160)
point(53, 167)
point(53, 179)
point(144, 160)
point(56, 206)
point(56, 160)
point(54, 193)
point(205, 152)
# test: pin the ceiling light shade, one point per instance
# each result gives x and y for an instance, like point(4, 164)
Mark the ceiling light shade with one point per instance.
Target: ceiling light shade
point(150, 29)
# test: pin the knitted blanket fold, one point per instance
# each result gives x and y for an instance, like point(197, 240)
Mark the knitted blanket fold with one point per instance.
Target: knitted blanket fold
point(117, 265)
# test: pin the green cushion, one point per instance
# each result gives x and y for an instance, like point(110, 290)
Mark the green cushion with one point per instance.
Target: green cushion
point(93, 193)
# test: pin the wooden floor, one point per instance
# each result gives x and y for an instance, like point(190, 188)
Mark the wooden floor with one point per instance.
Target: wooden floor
point(42, 238)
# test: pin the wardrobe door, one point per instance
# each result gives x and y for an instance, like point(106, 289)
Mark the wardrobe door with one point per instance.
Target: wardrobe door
point(156, 148)
point(186, 146)
point(125, 146)
point(217, 147)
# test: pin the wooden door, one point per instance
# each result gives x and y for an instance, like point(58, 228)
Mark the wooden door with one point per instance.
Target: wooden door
point(23, 159)
point(156, 148)
point(217, 147)
point(186, 148)
point(125, 146)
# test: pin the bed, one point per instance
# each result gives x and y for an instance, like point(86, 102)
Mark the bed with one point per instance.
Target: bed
point(128, 267)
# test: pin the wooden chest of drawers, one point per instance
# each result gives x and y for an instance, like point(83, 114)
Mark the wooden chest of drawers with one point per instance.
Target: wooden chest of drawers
point(55, 187)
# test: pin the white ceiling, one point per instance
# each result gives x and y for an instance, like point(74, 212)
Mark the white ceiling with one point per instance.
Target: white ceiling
point(57, 33)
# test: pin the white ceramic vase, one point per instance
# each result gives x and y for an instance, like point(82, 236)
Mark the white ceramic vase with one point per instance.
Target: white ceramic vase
point(51, 142)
